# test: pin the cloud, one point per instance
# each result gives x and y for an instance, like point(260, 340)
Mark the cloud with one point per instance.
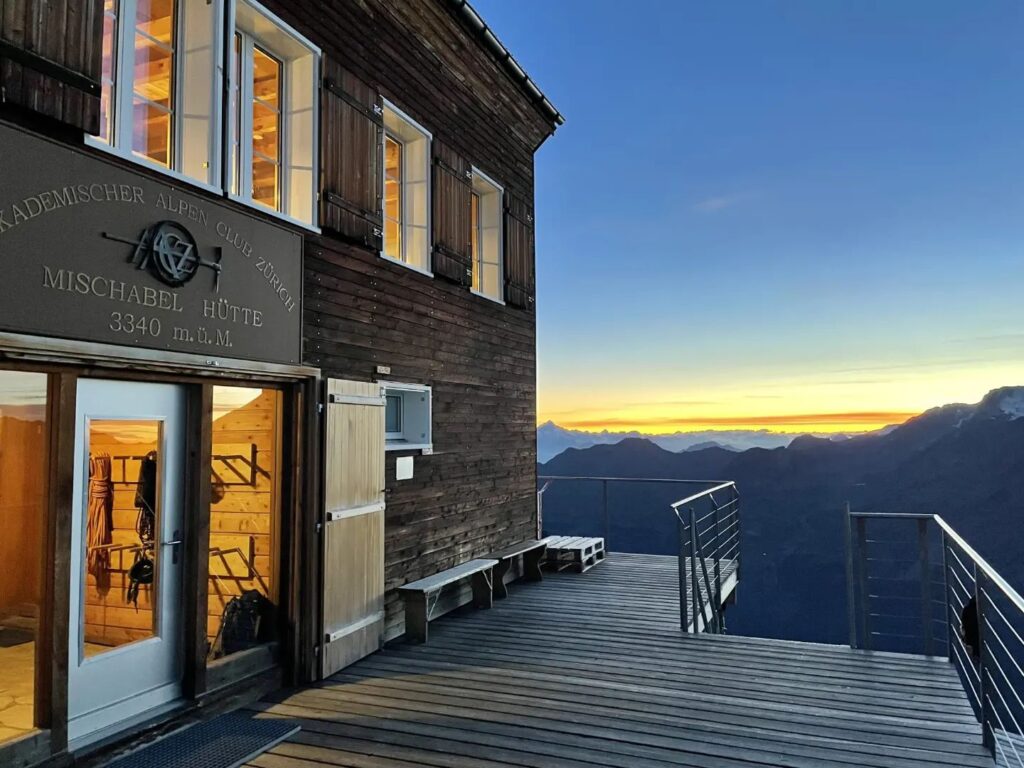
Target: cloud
point(662, 403)
point(863, 418)
point(716, 204)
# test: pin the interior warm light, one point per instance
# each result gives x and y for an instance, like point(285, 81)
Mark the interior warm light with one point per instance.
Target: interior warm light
point(153, 103)
point(392, 198)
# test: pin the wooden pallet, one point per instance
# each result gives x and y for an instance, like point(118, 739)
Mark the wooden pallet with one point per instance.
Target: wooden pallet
point(579, 553)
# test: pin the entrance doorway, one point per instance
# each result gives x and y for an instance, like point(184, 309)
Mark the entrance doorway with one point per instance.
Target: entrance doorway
point(125, 632)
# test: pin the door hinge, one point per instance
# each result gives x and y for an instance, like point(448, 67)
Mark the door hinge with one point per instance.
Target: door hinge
point(320, 408)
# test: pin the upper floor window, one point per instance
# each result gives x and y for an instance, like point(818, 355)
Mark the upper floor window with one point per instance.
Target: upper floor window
point(406, 190)
point(161, 98)
point(273, 122)
point(486, 237)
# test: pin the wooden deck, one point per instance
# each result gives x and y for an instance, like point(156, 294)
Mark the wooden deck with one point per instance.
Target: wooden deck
point(592, 669)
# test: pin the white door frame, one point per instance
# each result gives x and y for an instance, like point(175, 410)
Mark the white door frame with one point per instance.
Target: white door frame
point(110, 691)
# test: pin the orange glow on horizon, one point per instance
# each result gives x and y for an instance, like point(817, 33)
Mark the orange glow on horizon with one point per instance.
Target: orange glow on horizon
point(855, 421)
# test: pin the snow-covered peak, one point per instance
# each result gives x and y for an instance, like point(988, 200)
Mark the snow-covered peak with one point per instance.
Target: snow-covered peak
point(1012, 402)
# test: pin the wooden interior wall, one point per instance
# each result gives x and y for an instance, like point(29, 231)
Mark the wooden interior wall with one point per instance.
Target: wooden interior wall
point(243, 517)
point(110, 619)
point(23, 445)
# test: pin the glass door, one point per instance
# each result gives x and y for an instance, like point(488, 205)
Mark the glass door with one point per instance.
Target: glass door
point(125, 632)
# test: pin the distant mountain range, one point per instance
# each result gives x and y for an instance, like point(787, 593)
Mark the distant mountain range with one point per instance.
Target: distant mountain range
point(553, 439)
point(965, 462)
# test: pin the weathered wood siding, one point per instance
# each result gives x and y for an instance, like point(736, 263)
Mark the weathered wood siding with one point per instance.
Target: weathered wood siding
point(50, 58)
point(477, 491)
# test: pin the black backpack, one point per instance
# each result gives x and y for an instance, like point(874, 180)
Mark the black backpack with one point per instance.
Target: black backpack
point(248, 621)
point(969, 628)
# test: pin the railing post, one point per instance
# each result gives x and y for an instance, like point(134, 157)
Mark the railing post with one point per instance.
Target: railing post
point(926, 596)
point(739, 533)
point(607, 519)
point(695, 596)
point(988, 736)
point(683, 623)
point(862, 583)
point(718, 567)
point(947, 600)
point(851, 595)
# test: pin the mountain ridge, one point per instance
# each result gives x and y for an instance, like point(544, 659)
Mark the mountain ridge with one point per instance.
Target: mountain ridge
point(552, 439)
point(962, 461)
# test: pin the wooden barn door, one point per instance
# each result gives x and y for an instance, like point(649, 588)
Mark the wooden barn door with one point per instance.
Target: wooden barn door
point(354, 535)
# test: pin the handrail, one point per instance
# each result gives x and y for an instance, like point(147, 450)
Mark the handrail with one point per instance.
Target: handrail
point(630, 479)
point(984, 642)
point(702, 545)
point(982, 564)
point(689, 499)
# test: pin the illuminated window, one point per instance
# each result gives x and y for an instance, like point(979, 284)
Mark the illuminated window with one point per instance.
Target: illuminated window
point(406, 190)
point(23, 515)
point(486, 237)
point(245, 520)
point(161, 99)
point(392, 198)
point(273, 127)
point(159, 95)
point(109, 70)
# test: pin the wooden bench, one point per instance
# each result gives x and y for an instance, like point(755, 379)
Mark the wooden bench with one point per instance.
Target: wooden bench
point(421, 596)
point(581, 553)
point(531, 551)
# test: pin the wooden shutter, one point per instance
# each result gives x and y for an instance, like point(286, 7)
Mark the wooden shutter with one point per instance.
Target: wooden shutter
point(353, 586)
point(352, 144)
point(519, 253)
point(50, 58)
point(452, 198)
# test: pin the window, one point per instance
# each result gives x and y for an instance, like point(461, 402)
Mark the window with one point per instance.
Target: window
point(245, 517)
point(406, 190)
point(159, 95)
point(407, 417)
point(273, 124)
point(486, 238)
point(161, 101)
point(23, 513)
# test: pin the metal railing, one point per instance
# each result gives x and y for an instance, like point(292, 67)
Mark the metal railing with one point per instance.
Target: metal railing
point(709, 533)
point(708, 541)
point(960, 605)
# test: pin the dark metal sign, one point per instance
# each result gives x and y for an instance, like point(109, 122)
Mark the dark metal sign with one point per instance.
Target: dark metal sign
point(94, 251)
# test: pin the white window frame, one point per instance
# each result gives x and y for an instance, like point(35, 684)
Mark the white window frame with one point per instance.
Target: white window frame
point(244, 89)
point(120, 143)
point(222, 124)
point(392, 435)
point(426, 135)
point(398, 442)
point(498, 190)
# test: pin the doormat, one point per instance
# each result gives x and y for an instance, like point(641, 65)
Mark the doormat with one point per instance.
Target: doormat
point(12, 636)
point(227, 741)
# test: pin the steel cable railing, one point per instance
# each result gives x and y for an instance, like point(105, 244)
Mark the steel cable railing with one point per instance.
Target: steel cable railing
point(709, 535)
point(708, 541)
point(965, 607)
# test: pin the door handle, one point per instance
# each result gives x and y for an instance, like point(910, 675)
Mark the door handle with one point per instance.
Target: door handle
point(176, 543)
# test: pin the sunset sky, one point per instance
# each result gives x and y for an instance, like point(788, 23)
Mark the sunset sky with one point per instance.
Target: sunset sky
point(796, 215)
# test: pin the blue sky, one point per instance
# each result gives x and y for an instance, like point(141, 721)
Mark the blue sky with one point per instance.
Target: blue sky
point(766, 208)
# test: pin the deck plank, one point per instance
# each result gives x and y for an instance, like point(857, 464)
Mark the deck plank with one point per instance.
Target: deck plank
point(592, 669)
